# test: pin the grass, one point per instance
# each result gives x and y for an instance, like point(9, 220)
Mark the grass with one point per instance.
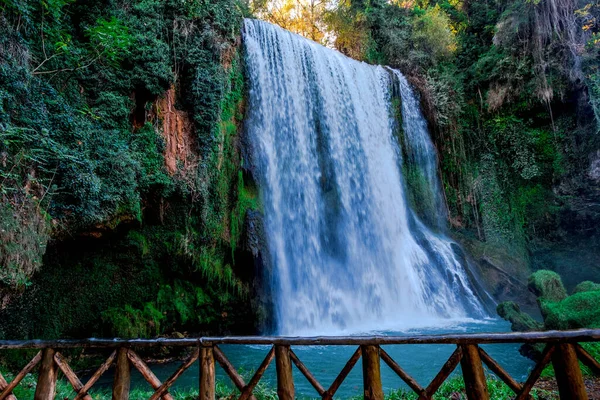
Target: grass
point(453, 388)
point(26, 390)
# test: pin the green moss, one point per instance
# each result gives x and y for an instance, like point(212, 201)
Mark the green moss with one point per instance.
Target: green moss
point(420, 193)
point(580, 310)
point(586, 286)
point(521, 322)
point(247, 199)
point(560, 312)
point(134, 323)
point(547, 285)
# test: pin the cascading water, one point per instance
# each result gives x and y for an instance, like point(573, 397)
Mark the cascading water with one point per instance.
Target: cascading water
point(349, 253)
point(420, 159)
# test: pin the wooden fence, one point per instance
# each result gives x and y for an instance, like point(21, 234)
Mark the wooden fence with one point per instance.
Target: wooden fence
point(562, 349)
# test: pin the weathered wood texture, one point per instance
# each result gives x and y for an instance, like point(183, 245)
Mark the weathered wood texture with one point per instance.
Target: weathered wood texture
point(122, 380)
point(309, 376)
point(3, 385)
point(46, 384)
point(103, 368)
point(473, 374)
point(207, 374)
point(401, 373)
point(170, 380)
point(444, 373)
point(19, 377)
point(247, 392)
point(146, 372)
point(572, 336)
point(499, 371)
point(328, 395)
point(373, 389)
point(70, 375)
point(535, 373)
point(568, 374)
point(587, 360)
point(285, 380)
point(230, 370)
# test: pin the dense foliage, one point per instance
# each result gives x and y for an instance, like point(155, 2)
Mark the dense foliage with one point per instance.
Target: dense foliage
point(121, 198)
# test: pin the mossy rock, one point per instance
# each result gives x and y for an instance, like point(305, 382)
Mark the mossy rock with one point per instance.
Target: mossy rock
point(560, 312)
point(521, 322)
point(586, 286)
point(579, 310)
point(547, 286)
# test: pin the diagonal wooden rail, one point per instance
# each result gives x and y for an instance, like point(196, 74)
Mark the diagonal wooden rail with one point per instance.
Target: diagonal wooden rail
point(562, 350)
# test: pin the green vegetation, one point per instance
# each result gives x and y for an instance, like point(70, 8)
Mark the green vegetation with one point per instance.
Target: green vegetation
point(99, 236)
point(547, 286)
point(453, 387)
point(26, 390)
point(521, 322)
point(559, 310)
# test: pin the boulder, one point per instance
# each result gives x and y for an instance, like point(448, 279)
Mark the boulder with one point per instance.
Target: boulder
point(521, 322)
point(586, 286)
point(560, 312)
point(547, 285)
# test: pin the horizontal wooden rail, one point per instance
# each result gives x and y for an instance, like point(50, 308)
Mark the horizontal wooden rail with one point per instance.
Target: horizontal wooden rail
point(562, 350)
point(572, 336)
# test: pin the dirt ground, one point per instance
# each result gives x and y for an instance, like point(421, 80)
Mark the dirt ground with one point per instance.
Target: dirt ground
point(591, 384)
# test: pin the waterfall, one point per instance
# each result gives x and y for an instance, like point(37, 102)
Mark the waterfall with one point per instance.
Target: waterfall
point(349, 253)
point(420, 159)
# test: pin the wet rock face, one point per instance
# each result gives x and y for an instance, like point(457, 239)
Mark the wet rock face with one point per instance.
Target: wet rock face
point(255, 246)
point(594, 172)
point(521, 322)
point(255, 241)
point(503, 275)
point(177, 131)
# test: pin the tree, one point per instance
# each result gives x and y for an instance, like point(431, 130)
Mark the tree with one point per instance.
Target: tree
point(304, 17)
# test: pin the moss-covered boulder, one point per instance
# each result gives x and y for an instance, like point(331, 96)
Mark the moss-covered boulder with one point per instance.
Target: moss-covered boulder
point(579, 310)
point(521, 322)
point(560, 312)
point(547, 285)
point(586, 286)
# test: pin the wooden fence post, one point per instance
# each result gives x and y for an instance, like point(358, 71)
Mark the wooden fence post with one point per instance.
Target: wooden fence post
point(122, 379)
point(46, 384)
point(568, 374)
point(473, 374)
point(207, 373)
point(285, 380)
point(371, 373)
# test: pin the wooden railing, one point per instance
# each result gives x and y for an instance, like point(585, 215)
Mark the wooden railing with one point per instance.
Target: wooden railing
point(562, 349)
